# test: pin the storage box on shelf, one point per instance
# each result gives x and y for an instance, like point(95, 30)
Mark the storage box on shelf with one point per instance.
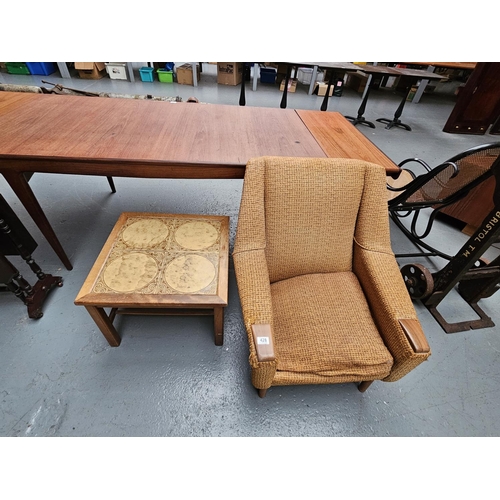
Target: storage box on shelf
point(41, 68)
point(165, 76)
point(147, 74)
point(117, 70)
point(229, 73)
point(185, 74)
point(268, 75)
point(90, 70)
point(17, 68)
point(304, 75)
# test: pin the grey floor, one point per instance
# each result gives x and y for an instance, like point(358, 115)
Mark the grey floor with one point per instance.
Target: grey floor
point(60, 377)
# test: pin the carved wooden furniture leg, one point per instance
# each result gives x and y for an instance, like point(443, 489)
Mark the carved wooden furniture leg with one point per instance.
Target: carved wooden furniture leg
point(262, 392)
point(104, 323)
point(34, 297)
point(13, 280)
point(364, 385)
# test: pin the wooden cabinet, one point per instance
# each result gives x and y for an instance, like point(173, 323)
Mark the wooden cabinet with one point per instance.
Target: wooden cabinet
point(478, 104)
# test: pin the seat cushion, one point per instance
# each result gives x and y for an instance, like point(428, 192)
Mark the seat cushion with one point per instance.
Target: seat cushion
point(322, 325)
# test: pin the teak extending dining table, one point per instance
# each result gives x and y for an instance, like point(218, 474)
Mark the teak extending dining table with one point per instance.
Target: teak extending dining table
point(154, 139)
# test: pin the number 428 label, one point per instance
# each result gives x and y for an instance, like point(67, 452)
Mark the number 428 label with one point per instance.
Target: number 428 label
point(263, 340)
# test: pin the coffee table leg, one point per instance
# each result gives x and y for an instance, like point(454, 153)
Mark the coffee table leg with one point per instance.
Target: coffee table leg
point(104, 323)
point(219, 325)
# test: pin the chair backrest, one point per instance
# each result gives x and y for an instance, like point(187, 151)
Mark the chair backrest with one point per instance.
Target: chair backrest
point(313, 210)
point(473, 165)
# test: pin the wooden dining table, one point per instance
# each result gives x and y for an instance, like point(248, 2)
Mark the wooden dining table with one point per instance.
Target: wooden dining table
point(119, 137)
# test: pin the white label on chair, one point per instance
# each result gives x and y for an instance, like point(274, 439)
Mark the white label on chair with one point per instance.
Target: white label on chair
point(263, 340)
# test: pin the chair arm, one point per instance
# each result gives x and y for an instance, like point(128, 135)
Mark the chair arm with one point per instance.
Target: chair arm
point(392, 309)
point(415, 335)
point(263, 342)
point(254, 290)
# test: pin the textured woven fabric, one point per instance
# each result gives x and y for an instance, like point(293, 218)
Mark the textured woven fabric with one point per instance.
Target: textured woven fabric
point(323, 325)
point(311, 212)
point(313, 259)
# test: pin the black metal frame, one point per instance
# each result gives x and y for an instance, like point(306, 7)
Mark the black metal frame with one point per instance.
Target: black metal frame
point(475, 277)
point(400, 208)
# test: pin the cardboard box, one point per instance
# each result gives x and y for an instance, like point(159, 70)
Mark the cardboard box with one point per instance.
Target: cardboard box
point(320, 89)
point(357, 81)
point(292, 85)
point(229, 73)
point(91, 70)
point(185, 74)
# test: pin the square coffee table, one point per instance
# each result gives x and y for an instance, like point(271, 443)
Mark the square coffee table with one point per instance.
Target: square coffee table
point(160, 264)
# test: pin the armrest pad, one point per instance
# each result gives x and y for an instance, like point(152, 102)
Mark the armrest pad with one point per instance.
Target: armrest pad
point(263, 341)
point(415, 335)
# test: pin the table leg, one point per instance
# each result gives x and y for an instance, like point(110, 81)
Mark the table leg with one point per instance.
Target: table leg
point(324, 105)
point(21, 188)
point(219, 325)
point(396, 122)
point(285, 90)
point(242, 90)
point(360, 118)
point(105, 325)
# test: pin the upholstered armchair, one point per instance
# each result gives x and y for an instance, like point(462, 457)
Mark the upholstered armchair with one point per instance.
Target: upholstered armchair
point(322, 296)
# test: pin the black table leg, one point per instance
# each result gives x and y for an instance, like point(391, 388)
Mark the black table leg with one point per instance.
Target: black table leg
point(331, 78)
point(396, 122)
point(360, 118)
point(285, 90)
point(242, 91)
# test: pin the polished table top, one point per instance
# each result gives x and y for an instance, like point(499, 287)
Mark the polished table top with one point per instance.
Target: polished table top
point(39, 126)
point(157, 139)
point(92, 128)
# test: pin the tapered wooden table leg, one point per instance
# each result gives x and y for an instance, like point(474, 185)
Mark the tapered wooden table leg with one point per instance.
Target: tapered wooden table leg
point(219, 325)
point(104, 323)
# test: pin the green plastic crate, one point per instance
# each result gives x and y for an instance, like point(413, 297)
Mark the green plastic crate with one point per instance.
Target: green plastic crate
point(17, 68)
point(165, 76)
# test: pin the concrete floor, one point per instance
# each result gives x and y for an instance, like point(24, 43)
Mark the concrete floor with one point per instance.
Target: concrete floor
point(61, 378)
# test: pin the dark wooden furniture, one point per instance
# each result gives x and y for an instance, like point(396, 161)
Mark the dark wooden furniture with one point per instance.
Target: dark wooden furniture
point(149, 139)
point(160, 264)
point(16, 240)
point(478, 104)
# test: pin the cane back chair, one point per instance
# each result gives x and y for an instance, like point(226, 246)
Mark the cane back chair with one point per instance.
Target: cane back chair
point(322, 297)
point(436, 189)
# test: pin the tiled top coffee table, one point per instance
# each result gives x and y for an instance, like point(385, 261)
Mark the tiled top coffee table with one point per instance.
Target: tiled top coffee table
point(160, 264)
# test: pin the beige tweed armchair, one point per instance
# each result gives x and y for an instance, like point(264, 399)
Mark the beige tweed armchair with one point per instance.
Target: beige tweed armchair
point(322, 296)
